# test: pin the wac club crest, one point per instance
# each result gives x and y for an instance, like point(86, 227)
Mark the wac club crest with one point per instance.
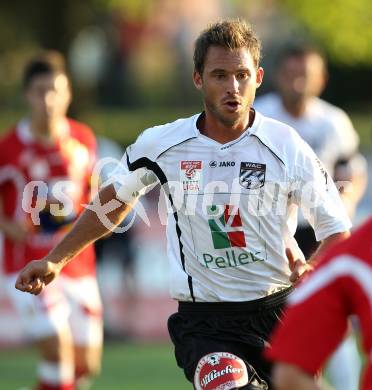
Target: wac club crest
point(252, 175)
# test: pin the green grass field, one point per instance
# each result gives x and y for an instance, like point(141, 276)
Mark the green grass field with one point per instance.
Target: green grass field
point(125, 366)
point(134, 367)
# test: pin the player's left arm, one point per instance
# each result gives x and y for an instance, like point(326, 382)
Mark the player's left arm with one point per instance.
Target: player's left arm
point(320, 202)
point(318, 197)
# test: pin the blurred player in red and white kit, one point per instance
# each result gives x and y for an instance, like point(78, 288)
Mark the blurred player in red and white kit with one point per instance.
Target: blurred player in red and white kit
point(317, 317)
point(45, 168)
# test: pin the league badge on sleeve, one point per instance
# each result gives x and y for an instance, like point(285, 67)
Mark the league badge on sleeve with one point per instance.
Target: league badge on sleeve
point(191, 175)
point(252, 175)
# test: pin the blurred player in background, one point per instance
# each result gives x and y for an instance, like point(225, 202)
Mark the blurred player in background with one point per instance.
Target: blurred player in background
point(301, 76)
point(316, 319)
point(227, 253)
point(45, 167)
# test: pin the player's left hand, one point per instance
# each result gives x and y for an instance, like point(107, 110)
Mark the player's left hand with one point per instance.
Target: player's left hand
point(298, 267)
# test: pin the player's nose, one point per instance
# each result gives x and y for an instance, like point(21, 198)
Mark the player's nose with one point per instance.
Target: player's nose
point(232, 85)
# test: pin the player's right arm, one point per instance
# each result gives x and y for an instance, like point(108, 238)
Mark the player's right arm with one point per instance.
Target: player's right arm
point(107, 210)
point(87, 229)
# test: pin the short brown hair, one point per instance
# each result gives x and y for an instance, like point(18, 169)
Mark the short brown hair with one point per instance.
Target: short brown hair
point(231, 34)
point(45, 62)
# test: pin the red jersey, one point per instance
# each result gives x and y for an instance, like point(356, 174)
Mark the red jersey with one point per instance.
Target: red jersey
point(43, 188)
point(316, 319)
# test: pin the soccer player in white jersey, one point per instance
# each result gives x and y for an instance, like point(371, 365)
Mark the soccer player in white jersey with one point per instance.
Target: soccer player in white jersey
point(234, 179)
point(301, 76)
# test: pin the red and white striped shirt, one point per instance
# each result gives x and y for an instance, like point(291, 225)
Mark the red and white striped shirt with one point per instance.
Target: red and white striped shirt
point(23, 161)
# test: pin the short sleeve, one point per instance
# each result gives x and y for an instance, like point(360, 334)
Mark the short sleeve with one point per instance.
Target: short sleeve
point(317, 196)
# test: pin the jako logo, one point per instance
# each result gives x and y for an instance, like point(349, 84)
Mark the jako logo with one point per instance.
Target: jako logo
point(223, 227)
point(215, 164)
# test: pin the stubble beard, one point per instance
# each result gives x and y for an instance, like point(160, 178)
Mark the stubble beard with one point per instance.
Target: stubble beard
point(225, 119)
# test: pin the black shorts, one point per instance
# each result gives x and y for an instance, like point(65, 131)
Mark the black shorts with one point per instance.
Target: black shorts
point(241, 328)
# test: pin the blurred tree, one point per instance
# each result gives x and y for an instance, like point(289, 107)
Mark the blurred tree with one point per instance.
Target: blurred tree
point(26, 26)
point(343, 26)
point(132, 8)
point(147, 44)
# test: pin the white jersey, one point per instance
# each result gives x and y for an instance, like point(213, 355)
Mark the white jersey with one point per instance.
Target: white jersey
point(234, 205)
point(325, 127)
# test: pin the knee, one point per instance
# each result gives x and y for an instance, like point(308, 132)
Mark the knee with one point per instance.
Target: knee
point(87, 361)
point(87, 369)
point(56, 348)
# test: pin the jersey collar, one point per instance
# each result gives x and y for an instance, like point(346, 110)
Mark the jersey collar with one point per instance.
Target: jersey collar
point(248, 131)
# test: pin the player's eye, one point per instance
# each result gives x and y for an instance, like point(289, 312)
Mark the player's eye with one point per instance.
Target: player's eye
point(242, 76)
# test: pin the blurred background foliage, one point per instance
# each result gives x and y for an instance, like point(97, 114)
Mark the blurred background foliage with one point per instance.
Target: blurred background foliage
point(344, 27)
point(131, 60)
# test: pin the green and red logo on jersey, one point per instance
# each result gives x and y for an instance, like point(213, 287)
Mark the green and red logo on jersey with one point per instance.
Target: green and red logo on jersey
point(225, 226)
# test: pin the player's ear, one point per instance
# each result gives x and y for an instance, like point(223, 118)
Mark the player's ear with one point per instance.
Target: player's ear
point(198, 80)
point(259, 76)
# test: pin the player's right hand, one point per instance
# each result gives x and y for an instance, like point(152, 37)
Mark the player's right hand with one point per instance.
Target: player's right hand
point(36, 275)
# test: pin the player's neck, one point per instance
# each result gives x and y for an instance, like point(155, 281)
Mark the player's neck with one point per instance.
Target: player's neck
point(45, 131)
point(213, 128)
point(295, 108)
